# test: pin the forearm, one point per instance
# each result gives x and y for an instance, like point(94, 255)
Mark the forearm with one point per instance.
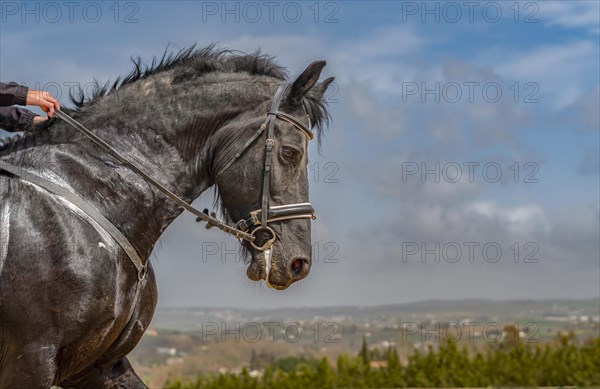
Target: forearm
point(12, 94)
point(15, 119)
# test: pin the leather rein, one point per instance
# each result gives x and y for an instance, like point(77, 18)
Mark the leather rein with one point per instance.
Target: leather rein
point(258, 219)
point(245, 229)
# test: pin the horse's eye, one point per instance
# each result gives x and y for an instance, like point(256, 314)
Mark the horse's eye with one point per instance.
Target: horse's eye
point(288, 153)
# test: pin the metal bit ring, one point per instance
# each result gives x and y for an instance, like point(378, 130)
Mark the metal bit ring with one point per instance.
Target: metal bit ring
point(268, 243)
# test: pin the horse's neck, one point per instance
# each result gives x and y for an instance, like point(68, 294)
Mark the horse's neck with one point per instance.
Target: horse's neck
point(138, 210)
point(167, 137)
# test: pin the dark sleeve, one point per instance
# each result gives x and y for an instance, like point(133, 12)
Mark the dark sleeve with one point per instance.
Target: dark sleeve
point(12, 94)
point(15, 119)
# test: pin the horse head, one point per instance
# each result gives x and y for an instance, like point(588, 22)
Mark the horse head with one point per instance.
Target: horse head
point(272, 170)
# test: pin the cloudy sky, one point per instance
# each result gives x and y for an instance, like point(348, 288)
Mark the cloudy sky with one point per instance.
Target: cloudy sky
point(462, 160)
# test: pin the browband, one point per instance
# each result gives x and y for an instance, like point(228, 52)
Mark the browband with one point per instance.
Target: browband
point(292, 120)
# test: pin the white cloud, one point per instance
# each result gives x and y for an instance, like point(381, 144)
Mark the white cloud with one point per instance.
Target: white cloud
point(519, 220)
point(374, 59)
point(381, 59)
point(561, 71)
point(571, 14)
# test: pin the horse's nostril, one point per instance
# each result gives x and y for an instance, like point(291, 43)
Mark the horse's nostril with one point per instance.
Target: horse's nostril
point(299, 267)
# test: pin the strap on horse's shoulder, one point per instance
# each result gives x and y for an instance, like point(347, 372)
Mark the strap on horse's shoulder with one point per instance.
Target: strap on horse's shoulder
point(91, 211)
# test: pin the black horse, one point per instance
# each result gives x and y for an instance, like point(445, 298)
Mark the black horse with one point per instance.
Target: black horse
point(66, 286)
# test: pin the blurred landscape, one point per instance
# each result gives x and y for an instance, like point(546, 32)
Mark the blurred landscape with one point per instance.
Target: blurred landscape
point(184, 342)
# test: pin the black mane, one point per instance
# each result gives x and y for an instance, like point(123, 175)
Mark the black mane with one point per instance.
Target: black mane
point(187, 63)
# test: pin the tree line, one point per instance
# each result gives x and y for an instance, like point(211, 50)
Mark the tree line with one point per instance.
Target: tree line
point(565, 361)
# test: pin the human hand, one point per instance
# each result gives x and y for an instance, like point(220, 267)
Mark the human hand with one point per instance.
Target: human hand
point(39, 119)
point(44, 100)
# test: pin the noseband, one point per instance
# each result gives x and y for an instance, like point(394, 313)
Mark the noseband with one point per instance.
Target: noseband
point(259, 219)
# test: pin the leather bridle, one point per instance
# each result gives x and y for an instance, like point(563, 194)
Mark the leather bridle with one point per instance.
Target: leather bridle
point(259, 219)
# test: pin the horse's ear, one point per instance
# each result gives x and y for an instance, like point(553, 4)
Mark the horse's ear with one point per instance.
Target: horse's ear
point(319, 89)
point(305, 81)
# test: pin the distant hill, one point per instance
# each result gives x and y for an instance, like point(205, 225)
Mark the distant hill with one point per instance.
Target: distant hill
point(189, 317)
